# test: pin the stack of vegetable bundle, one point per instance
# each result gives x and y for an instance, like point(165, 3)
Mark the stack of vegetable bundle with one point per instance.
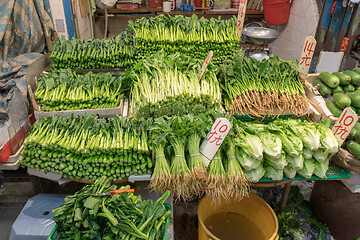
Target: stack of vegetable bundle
point(250, 151)
point(268, 87)
point(66, 90)
point(178, 139)
point(93, 53)
point(111, 217)
point(170, 85)
point(189, 35)
point(284, 147)
point(84, 147)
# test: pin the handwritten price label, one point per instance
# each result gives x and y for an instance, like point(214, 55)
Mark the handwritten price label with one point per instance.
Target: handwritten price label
point(306, 55)
point(206, 63)
point(241, 17)
point(344, 124)
point(215, 137)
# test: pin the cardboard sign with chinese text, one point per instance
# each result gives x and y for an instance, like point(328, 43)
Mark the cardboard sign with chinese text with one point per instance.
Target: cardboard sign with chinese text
point(344, 124)
point(206, 63)
point(241, 17)
point(306, 55)
point(215, 137)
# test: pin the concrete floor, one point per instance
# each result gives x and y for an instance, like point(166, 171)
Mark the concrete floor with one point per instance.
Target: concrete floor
point(8, 214)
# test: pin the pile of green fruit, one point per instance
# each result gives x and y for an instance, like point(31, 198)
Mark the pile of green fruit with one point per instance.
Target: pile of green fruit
point(353, 145)
point(343, 87)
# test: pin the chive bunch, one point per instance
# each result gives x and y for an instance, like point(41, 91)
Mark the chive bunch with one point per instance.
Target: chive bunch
point(64, 89)
point(83, 147)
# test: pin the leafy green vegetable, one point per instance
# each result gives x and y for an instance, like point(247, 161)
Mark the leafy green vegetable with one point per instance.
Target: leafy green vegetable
point(93, 53)
point(82, 147)
point(272, 173)
point(116, 216)
point(66, 90)
point(160, 89)
point(190, 36)
point(264, 87)
point(308, 169)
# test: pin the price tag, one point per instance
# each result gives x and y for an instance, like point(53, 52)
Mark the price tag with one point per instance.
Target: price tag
point(241, 17)
point(215, 137)
point(306, 55)
point(206, 63)
point(344, 124)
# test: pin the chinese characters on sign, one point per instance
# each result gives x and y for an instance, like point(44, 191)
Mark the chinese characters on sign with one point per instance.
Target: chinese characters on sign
point(307, 54)
point(344, 44)
point(206, 63)
point(215, 137)
point(344, 124)
point(241, 16)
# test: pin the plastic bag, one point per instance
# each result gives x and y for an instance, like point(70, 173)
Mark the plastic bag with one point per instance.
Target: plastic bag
point(274, 174)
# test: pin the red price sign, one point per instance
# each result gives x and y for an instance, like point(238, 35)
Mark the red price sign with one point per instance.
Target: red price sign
point(344, 124)
point(215, 137)
point(241, 17)
point(307, 54)
point(206, 63)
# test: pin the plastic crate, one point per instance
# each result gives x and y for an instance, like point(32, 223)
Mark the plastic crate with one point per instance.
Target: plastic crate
point(15, 142)
point(54, 235)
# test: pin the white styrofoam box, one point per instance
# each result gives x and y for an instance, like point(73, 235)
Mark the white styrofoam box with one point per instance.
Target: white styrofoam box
point(35, 219)
point(51, 176)
point(353, 184)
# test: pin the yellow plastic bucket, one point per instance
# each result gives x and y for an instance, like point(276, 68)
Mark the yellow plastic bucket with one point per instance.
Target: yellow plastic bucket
point(252, 209)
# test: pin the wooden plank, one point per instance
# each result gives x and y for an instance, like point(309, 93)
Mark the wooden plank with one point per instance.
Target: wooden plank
point(320, 34)
point(159, 10)
point(84, 7)
point(137, 10)
point(343, 28)
point(335, 23)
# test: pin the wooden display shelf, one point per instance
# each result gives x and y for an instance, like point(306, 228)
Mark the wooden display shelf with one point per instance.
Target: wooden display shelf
point(159, 10)
point(140, 10)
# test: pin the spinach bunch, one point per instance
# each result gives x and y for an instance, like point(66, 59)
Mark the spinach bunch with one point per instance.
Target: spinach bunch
point(117, 216)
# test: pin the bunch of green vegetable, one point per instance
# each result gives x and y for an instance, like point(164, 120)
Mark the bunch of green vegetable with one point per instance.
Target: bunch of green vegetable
point(93, 53)
point(84, 147)
point(189, 35)
point(284, 147)
point(67, 90)
point(169, 85)
point(180, 168)
point(112, 217)
point(267, 87)
point(341, 89)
